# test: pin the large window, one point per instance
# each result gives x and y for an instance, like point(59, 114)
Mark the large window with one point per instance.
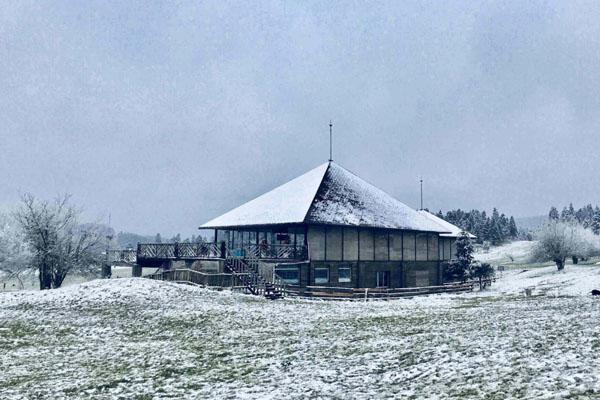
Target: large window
point(421, 247)
point(316, 243)
point(344, 274)
point(381, 246)
point(290, 275)
point(396, 246)
point(334, 243)
point(321, 275)
point(408, 244)
point(366, 245)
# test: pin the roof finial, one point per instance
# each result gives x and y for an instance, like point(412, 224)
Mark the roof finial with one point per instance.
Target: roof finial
point(330, 141)
point(421, 180)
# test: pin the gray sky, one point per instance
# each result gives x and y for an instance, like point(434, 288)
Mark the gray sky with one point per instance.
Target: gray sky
point(166, 115)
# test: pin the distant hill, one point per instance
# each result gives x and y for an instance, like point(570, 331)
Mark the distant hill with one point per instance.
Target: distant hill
point(128, 239)
point(530, 223)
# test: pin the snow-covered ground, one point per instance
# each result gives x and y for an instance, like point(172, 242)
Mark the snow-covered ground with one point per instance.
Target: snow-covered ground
point(517, 252)
point(136, 338)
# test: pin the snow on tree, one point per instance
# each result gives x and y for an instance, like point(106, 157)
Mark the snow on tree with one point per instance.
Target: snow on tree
point(558, 240)
point(14, 253)
point(595, 224)
point(481, 272)
point(59, 244)
point(458, 270)
point(553, 214)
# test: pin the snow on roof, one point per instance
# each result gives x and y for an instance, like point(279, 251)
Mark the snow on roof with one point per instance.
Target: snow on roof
point(345, 199)
point(453, 229)
point(328, 194)
point(287, 203)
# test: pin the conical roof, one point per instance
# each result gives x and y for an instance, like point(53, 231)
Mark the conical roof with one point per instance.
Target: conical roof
point(328, 194)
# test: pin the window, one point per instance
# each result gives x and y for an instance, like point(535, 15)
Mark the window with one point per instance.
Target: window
point(383, 278)
point(289, 275)
point(321, 275)
point(344, 274)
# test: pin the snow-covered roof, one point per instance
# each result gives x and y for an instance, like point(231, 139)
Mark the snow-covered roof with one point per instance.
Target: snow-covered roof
point(328, 194)
point(453, 229)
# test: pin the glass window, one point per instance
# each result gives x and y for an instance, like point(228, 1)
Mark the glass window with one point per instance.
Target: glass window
point(322, 275)
point(334, 243)
point(421, 247)
point(366, 245)
point(408, 243)
point(432, 248)
point(350, 244)
point(252, 239)
point(381, 246)
point(396, 246)
point(290, 275)
point(316, 242)
point(383, 278)
point(344, 274)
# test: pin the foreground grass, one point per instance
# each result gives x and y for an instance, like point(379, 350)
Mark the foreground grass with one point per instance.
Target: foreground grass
point(141, 339)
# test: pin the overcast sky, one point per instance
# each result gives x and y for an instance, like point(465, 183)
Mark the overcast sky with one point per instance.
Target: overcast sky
point(168, 114)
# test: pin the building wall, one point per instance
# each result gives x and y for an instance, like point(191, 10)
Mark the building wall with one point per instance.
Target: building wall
point(421, 274)
point(411, 258)
point(364, 273)
point(333, 243)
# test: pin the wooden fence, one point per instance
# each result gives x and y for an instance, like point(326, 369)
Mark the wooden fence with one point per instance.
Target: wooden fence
point(185, 275)
point(338, 293)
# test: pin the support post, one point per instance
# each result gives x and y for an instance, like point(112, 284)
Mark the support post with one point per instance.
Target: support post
point(136, 271)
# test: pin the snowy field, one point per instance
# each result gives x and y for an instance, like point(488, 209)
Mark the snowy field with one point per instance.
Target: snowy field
point(141, 339)
point(517, 252)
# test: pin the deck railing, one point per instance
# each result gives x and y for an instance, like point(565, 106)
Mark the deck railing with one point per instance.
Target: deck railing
point(172, 251)
point(128, 256)
point(276, 251)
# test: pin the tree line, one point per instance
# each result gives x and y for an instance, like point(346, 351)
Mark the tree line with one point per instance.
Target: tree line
point(587, 216)
point(495, 228)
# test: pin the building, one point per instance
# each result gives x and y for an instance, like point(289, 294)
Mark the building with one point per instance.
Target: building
point(447, 244)
point(330, 228)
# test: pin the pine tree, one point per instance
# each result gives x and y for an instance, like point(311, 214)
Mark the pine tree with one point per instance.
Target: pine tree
point(596, 222)
point(512, 228)
point(553, 214)
point(157, 238)
point(464, 254)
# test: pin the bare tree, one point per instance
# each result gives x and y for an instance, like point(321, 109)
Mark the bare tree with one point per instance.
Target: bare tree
point(559, 240)
point(58, 243)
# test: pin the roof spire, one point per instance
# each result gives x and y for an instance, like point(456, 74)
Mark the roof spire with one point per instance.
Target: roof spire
point(330, 141)
point(421, 180)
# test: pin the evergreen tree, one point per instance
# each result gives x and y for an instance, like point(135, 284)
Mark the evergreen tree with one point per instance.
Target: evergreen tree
point(595, 225)
point(464, 253)
point(512, 228)
point(553, 214)
point(157, 238)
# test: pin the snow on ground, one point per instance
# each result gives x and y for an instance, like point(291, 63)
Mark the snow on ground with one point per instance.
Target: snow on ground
point(136, 338)
point(574, 280)
point(513, 252)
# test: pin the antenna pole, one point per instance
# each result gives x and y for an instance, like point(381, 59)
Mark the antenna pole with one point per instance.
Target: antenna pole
point(421, 180)
point(330, 141)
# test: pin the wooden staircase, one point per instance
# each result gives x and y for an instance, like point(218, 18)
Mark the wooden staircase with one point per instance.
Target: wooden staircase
point(246, 270)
